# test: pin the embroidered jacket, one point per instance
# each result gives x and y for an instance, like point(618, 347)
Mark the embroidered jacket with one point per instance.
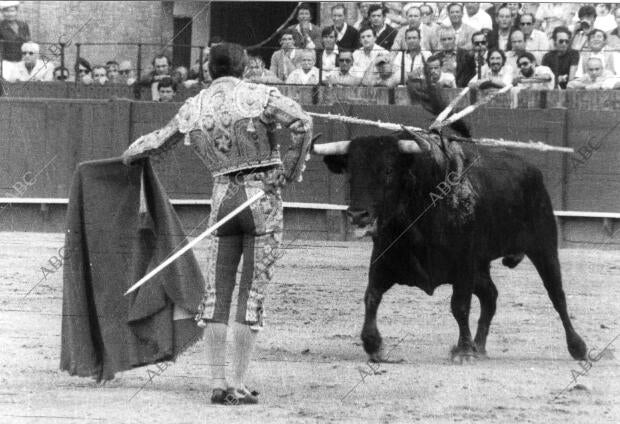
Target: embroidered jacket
point(230, 124)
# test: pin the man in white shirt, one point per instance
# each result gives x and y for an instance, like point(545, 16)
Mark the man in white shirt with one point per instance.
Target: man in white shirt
point(596, 78)
point(365, 56)
point(342, 76)
point(462, 30)
point(495, 71)
point(532, 76)
point(414, 20)
point(30, 68)
point(535, 41)
point(439, 78)
point(477, 18)
point(330, 50)
point(308, 74)
point(413, 58)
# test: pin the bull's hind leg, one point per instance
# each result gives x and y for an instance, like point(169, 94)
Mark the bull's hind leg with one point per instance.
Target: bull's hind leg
point(460, 304)
point(548, 266)
point(486, 292)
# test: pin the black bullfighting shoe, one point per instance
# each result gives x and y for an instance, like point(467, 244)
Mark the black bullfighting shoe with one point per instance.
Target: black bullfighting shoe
point(219, 396)
point(241, 396)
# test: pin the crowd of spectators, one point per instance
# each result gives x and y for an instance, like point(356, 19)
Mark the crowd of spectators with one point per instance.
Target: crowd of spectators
point(529, 46)
point(480, 45)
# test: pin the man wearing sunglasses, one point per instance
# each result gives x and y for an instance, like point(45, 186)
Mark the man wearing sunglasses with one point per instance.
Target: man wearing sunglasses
point(342, 76)
point(30, 68)
point(562, 60)
point(531, 76)
point(536, 41)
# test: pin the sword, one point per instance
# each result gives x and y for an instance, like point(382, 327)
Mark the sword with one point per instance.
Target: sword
point(194, 242)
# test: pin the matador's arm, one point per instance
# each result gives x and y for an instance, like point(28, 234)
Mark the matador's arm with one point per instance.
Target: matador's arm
point(289, 113)
point(167, 137)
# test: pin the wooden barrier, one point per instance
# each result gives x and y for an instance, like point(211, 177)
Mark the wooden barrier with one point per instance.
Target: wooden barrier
point(44, 139)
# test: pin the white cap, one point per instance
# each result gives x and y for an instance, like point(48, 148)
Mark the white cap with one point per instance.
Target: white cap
point(7, 4)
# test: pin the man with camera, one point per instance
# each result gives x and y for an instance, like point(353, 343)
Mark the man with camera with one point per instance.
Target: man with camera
point(586, 15)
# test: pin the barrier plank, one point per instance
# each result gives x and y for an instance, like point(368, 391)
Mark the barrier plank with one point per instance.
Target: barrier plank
point(354, 95)
point(592, 173)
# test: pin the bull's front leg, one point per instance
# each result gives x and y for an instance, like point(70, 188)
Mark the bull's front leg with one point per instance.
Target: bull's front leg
point(378, 284)
point(462, 291)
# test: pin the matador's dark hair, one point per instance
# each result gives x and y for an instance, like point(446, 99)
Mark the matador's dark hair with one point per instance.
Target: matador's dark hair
point(227, 59)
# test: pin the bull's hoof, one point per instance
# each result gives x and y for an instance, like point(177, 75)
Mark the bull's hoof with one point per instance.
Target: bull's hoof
point(463, 355)
point(480, 352)
point(577, 348)
point(381, 357)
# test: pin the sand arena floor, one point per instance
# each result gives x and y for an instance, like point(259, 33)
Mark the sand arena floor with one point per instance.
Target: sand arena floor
point(309, 362)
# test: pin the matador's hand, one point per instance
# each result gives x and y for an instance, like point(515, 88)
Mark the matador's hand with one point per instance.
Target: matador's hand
point(274, 182)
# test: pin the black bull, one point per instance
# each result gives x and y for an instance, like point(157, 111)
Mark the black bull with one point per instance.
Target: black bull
point(441, 215)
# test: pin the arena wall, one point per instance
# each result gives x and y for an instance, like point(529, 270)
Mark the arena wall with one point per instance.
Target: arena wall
point(44, 139)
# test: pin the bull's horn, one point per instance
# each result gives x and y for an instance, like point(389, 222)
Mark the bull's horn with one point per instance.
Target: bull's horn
point(409, 146)
point(334, 148)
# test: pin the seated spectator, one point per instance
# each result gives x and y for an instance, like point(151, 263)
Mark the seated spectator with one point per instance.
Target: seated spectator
point(414, 21)
point(13, 33)
point(467, 62)
point(495, 73)
point(428, 27)
point(125, 73)
point(362, 15)
point(256, 72)
point(448, 50)
point(30, 68)
point(455, 21)
point(347, 37)
point(342, 76)
point(413, 58)
point(434, 67)
point(61, 74)
point(596, 77)
point(553, 15)
point(477, 18)
point(614, 36)
point(531, 76)
point(562, 60)
point(99, 75)
point(305, 34)
point(384, 33)
point(516, 46)
point(83, 71)
point(327, 58)
point(536, 41)
point(307, 74)
point(179, 75)
point(287, 59)
point(499, 37)
point(597, 47)
point(161, 69)
point(166, 88)
point(381, 74)
point(194, 76)
point(112, 74)
point(604, 18)
point(365, 55)
point(587, 15)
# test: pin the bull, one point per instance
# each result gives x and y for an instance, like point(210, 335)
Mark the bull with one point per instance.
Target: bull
point(439, 212)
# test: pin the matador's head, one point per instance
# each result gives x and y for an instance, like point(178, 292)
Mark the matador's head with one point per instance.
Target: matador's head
point(227, 59)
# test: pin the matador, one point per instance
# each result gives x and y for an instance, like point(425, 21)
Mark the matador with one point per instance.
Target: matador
point(230, 125)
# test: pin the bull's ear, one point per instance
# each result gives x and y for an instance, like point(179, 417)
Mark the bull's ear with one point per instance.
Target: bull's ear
point(336, 163)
